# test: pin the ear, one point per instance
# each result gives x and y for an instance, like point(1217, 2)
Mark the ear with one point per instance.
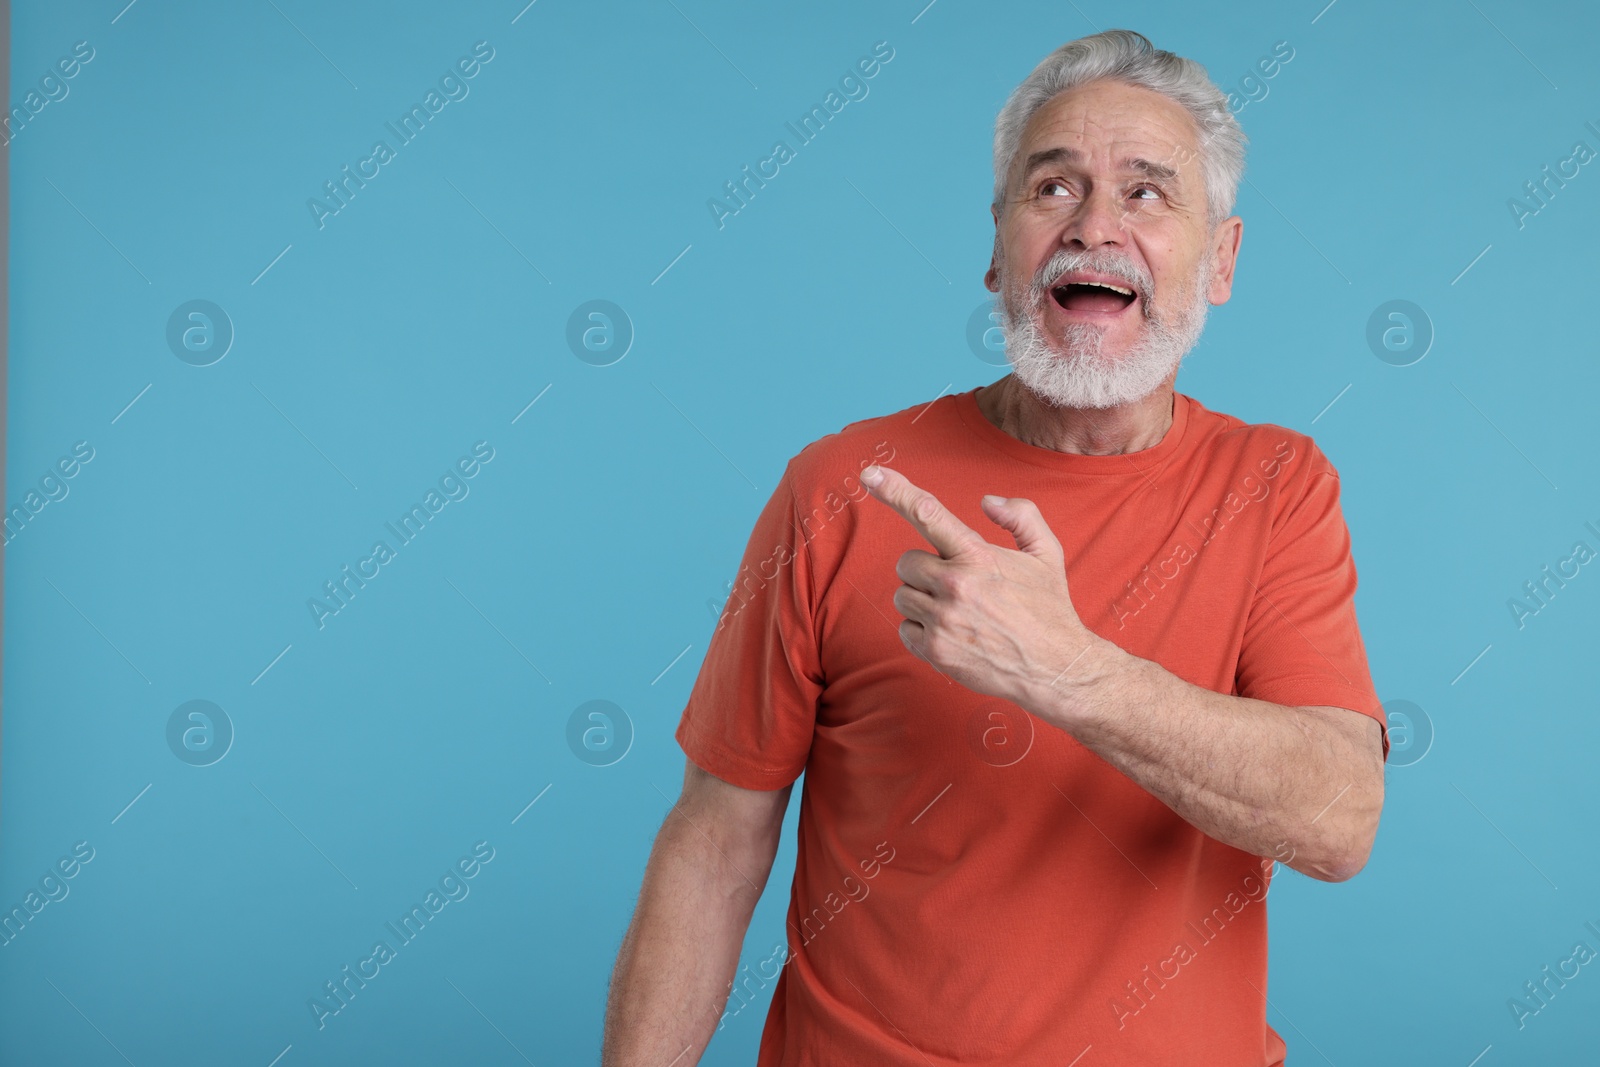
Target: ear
point(1225, 254)
point(991, 277)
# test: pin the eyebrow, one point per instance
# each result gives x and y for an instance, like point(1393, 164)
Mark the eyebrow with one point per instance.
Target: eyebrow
point(1050, 156)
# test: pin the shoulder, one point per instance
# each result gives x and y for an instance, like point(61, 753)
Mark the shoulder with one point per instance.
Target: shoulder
point(1275, 451)
point(1238, 461)
point(832, 464)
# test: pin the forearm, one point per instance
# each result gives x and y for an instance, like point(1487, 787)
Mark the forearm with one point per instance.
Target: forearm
point(679, 954)
point(1269, 779)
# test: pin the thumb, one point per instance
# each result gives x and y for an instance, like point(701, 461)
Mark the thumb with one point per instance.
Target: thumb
point(1022, 518)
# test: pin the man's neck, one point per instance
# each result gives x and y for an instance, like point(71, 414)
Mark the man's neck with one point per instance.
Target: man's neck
point(1110, 431)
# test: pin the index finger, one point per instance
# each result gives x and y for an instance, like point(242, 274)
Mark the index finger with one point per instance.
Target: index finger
point(921, 509)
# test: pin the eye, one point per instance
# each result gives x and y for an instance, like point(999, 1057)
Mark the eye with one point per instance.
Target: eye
point(1049, 183)
point(1147, 188)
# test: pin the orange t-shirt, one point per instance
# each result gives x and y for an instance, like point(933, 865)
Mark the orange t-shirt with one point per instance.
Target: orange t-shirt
point(972, 885)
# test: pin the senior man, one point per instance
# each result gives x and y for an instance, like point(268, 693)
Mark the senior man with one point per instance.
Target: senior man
point(1045, 784)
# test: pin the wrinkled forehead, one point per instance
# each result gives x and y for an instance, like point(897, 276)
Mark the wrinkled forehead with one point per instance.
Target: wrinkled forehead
point(1108, 126)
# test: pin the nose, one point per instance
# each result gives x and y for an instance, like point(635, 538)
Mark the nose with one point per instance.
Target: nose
point(1099, 220)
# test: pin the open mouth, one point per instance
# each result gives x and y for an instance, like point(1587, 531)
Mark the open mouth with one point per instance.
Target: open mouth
point(1093, 298)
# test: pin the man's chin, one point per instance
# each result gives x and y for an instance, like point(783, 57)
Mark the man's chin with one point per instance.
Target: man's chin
point(1082, 356)
point(1063, 377)
point(1095, 358)
point(1077, 402)
point(1086, 342)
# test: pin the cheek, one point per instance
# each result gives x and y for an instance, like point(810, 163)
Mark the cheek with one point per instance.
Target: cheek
point(1022, 256)
point(1021, 243)
point(1177, 273)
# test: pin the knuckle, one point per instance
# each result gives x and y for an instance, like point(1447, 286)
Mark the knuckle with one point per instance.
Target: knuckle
point(908, 633)
point(924, 509)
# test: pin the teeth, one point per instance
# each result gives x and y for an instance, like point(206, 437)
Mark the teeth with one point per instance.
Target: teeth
point(1102, 285)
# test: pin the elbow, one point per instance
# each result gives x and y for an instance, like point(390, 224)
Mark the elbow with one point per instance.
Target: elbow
point(1345, 855)
point(1347, 839)
point(1340, 867)
point(1332, 866)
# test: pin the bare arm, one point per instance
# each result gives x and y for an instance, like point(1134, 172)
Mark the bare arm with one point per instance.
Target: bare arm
point(1301, 784)
point(706, 872)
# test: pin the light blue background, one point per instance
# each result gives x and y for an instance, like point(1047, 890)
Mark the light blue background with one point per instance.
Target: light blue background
point(593, 550)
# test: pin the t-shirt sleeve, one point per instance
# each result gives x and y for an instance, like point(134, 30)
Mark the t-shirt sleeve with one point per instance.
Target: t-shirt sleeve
point(750, 716)
point(1302, 645)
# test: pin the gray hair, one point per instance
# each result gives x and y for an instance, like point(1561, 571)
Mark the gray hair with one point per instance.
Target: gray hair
point(1130, 57)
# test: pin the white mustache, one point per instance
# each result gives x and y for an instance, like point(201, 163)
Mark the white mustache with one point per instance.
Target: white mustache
point(1118, 268)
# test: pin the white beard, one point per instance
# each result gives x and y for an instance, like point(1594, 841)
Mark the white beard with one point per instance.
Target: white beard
point(1077, 375)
